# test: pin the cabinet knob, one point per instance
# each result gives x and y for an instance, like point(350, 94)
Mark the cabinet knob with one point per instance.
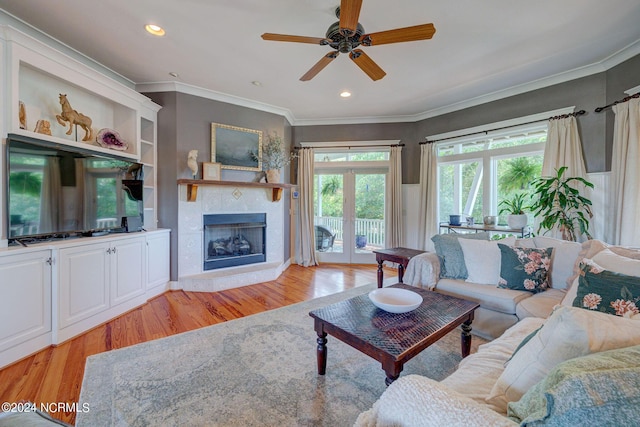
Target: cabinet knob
point(113, 250)
point(49, 261)
point(109, 251)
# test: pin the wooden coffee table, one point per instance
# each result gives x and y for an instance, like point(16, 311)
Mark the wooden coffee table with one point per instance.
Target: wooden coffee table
point(400, 256)
point(392, 339)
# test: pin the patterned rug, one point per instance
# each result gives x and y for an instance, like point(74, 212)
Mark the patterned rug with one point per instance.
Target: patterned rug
point(254, 371)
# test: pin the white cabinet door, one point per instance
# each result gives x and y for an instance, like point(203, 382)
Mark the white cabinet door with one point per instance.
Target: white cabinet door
point(127, 270)
point(157, 259)
point(84, 282)
point(25, 297)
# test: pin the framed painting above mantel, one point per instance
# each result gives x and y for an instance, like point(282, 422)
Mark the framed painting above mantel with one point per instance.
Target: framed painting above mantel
point(236, 148)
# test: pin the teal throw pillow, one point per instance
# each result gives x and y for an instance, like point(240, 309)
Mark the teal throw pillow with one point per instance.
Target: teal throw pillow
point(449, 250)
point(601, 389)
point(524, 269)
point(607, 291)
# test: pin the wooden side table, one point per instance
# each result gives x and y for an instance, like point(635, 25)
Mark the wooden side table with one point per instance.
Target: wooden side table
point(400, 256)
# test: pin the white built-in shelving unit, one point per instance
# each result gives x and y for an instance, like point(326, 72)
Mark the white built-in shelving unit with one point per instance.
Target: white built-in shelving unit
point(36, 74)
point(56, 290)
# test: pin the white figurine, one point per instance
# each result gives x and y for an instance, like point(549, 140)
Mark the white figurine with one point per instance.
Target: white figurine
point(192, 162)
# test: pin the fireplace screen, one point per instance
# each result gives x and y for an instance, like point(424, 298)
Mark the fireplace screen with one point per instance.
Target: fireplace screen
point(234, 239)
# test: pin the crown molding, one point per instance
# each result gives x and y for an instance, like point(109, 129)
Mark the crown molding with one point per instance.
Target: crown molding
point(611, 61)
point(491, 129)
point(213, 95)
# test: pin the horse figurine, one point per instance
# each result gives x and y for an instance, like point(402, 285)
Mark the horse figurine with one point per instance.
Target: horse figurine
point(74, 118)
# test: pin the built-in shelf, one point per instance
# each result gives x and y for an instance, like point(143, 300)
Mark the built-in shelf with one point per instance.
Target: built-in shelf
point(192, 187)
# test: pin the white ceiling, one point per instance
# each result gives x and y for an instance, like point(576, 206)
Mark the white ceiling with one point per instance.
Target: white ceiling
point(481, 50)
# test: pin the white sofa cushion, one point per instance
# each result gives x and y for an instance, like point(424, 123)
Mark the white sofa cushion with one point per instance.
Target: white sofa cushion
point(611, 261)
point(540, 304)
point(419, 401)
point(482, 259)
point(478, 372)
point(489, 297)
point(563, 259)
point(569, 332)
point(526, 242)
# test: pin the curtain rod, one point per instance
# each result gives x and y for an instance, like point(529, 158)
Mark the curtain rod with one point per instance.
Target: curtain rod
point(486, 132)
point(625, 99)
point(352, 146)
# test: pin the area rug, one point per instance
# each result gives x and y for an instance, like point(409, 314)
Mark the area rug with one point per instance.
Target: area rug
point(254, 371)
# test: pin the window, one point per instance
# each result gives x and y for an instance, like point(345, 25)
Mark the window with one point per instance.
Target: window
point(475, 173)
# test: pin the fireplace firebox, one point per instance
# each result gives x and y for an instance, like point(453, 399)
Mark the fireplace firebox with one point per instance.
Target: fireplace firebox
point(234, 239)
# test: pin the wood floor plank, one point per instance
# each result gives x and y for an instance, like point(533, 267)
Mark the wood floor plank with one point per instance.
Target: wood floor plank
point(55, 374)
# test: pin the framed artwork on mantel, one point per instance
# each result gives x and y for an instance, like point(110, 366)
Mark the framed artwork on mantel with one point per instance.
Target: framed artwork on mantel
point(211, 171)
point(236, 148)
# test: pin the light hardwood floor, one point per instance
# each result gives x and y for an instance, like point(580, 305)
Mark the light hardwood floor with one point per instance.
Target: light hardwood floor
point(55, 374)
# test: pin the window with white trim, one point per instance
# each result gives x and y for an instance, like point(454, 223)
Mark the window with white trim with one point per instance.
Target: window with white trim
point(475, 173)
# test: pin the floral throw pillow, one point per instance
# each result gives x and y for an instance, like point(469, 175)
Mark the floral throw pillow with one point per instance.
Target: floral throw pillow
point(607, 291)
point(524, 269)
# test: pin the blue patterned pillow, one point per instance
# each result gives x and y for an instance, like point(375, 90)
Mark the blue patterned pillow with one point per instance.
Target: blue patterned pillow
point(607, 291)
point(524, 269)
point(599, 389)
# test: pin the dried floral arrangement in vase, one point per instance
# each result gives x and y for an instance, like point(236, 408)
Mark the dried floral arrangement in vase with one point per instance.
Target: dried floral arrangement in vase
point(274, 157)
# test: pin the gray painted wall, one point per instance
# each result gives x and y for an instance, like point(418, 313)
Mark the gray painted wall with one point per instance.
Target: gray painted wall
point(184, 124)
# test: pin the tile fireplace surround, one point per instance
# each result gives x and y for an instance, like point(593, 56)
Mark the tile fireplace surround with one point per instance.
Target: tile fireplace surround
point(214, 199)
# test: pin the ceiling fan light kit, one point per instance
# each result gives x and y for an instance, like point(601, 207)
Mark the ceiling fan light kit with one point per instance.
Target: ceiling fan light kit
point(346, 35)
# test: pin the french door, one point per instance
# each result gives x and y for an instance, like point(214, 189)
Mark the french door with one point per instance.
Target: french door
point(349, 213)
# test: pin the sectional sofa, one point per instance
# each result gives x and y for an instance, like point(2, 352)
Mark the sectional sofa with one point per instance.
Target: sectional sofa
point(578, 366)
point(468, 266)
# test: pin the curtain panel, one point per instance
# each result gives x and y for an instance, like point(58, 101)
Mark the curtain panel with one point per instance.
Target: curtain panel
point(428, 204)
point(305, 236)
point(393, 218)
point(625, 171)
point(564, 148)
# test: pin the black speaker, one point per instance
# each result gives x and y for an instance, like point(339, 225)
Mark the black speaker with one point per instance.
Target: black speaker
point(131, 223)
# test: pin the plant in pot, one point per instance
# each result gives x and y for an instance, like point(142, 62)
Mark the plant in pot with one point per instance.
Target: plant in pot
point(558, 204)
point(515, 209)
point(274, 157)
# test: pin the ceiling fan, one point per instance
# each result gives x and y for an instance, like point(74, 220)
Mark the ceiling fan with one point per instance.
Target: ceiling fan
point(347, 34)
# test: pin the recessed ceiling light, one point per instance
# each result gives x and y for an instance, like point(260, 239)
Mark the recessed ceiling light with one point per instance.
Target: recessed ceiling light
point(256, 83)
point(156, 30)
point(173, 74)
point(345, 94)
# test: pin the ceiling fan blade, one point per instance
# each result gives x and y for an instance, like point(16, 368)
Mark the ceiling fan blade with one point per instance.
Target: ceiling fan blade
point(367, 65)
point(295, 39)
point(349, 13)
point(399, 35)
point(319, 66)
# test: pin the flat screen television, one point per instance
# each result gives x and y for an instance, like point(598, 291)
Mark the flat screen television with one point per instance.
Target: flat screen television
point(54, 189)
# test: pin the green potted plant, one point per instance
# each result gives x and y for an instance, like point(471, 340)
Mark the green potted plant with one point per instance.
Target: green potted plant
point(274, 157)
point(559, 204)
point(515, 209)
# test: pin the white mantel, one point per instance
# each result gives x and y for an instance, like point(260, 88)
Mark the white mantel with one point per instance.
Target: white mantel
point(226, 199)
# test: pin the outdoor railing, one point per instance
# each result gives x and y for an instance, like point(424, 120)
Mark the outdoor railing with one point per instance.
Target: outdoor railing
point(373, 229)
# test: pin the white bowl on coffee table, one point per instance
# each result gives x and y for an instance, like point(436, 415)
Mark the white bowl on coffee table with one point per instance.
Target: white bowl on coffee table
point(395, 300)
